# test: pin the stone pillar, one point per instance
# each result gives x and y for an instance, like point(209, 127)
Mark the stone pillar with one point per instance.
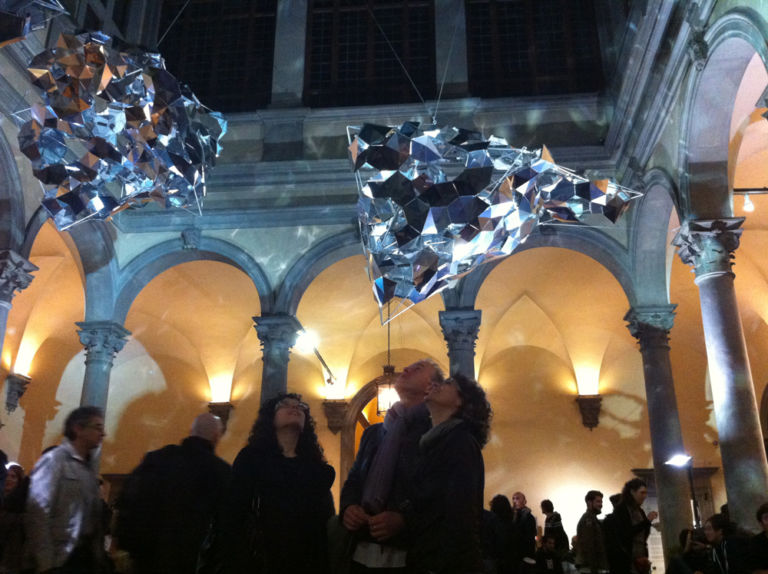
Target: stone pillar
point(102, 341)
point(708, 246)
point(650, 326)
point(288, 61)
point(460, 327)
point(451, 48)
point(277, 334)
point(15, 275)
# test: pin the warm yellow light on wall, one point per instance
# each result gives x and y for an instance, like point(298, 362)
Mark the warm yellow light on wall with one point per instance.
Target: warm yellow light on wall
point(25, 356)
point(221, 388)
point(7, 360)
point(587, 379)
point(338, 389)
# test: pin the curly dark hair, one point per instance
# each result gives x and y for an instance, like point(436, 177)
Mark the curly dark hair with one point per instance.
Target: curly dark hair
point(264, 438)
point(501, 507)
point(629, 487)
point(475, 410)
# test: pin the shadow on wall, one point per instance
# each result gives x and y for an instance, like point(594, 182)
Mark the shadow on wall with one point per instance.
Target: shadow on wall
point(40, 401)
point(539, 445)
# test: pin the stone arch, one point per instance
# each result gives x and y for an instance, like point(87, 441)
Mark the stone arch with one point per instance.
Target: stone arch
point(648, 241)
point(151, 263)
point(310, 265)
point(11, 199)
point(584, 240)
point(710, 92)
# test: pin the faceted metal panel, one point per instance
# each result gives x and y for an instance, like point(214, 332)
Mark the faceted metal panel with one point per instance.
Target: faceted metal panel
point(115, 130)
point(436, 203)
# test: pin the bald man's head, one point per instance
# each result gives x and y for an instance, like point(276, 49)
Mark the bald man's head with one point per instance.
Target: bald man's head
point(208, 427)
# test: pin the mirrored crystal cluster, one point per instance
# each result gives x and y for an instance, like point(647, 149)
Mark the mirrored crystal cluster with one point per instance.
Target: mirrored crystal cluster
point(18, 17)
point(436, 203)
point(116, 129)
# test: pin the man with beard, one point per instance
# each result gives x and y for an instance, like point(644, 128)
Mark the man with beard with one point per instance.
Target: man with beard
point(591, 557)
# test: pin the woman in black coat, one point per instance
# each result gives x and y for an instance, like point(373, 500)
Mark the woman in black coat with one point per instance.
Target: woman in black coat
point(632, 527)
point(446, 503)
point(280, 499)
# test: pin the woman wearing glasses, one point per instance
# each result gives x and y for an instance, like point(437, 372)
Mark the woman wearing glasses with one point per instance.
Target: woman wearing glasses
point(280, 498)
point(444, 518)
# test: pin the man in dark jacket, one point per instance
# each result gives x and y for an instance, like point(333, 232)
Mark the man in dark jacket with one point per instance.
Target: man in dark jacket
point(170, 500)
point(374, 494)
point(591, 556)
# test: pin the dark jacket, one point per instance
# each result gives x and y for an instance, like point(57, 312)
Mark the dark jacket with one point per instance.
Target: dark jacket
point(168, 504)
point(590, 543)
point(444, 522)
point(619, 534)
point(553, 526)
point(276, 514)
point(758, 551)
point(523, 534)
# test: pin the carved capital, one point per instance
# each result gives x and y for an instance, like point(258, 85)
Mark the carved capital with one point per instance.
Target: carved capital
point(698, 48)
point(15, 274)
point(651, 324)
point(102, 339)
point(191, 238)
point(336, 413)
point(708, 244)
point(277, 333)
point(460, 327)
point(15, 386)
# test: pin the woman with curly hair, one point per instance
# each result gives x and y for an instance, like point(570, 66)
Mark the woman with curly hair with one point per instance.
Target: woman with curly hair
point(280, 498)
point(445, 514)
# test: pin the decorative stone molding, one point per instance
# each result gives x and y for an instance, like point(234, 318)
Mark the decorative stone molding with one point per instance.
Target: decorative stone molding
point(707, 245)
point(102, 339)
point(336, 413)
point(698, 49)
point(191, 238)
point(15, 385)
point(460, 327)
point(15, 274)
point(221, 410)
point(277, 333)
point(651, 324)
point(589, 407)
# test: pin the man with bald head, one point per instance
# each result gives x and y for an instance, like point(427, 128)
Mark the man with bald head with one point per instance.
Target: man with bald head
point(374, 497)
point(170, 501)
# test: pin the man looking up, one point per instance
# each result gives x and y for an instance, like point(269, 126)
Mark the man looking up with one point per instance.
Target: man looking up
point(63, 505)
point(374, 497)
point(591, 557)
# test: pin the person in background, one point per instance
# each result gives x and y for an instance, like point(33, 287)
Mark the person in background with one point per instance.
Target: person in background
point(729, 550)
point(63, 513)
point(502, 509)
point(523, 534)
point(631, 529)
point(170, 500)
point(12, 520)
point(553, 526)
point(591, 555)
point(279, 501)
point(548, 559)
point(446, 497)
point(758, 544)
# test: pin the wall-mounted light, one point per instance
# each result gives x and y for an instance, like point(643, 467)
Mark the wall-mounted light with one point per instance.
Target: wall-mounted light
point(682, 460)
point(589, 407)
point(336, 413)
point(307, 341)
point(386, 395)
point(221, 410)
point(15, 385)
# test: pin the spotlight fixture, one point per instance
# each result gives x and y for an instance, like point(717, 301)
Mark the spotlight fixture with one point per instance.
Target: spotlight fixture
point(683, 460)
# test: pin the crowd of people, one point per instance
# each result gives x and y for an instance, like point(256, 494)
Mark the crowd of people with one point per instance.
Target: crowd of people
point(412, 503)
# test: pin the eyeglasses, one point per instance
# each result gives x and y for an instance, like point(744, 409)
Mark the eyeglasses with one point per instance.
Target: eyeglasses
point(292, 404)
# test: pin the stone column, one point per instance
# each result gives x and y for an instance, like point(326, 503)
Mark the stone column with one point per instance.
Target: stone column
point(15, 275)
point(460, 327)
point(288, 61)
point(277, 334)
point(451, 48)
point(102, 341)
point(650, 325)
point(708, 246)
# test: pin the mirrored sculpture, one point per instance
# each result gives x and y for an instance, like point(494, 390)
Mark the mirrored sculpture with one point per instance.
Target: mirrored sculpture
point(115, 130)
point(436, 203)
point(19, 17)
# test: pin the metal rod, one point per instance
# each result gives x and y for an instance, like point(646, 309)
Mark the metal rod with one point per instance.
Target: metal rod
point(745, 190)
point(696, 515)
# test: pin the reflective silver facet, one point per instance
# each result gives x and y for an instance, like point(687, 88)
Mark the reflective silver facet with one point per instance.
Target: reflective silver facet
point(436, 203)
